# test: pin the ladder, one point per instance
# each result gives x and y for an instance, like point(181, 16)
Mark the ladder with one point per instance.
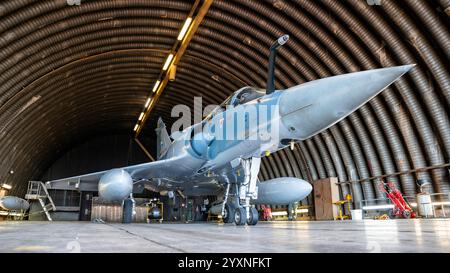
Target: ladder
point(38, 191)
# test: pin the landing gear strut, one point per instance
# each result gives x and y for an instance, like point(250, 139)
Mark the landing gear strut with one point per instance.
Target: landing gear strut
point(239, 208)
point(248, 190)
point(244, 212)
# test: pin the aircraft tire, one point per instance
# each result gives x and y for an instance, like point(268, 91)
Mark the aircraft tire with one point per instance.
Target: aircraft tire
point(253, 219)
point(240, 216)
point(391, 214)
point(229, 213)
point(406, 214)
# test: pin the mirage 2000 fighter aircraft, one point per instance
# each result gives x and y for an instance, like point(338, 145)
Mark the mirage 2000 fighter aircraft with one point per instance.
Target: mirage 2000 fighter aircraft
point(221, 155)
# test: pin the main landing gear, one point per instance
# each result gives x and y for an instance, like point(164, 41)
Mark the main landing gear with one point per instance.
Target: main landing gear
point(241, 218)
point(240, 211)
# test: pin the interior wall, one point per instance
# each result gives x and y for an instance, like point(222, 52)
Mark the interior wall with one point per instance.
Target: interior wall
point(97, 154)
point(71, 72)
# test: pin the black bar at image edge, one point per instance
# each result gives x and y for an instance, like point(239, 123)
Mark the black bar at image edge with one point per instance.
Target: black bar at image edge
point(218, 262)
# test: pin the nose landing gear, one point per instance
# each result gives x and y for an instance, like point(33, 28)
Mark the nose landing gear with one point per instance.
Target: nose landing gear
point(240, 217)
point(228, 214)
point(239, 208)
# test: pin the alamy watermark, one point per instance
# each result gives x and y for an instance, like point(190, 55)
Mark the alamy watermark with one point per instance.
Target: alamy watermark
point(74, 246)
point(73, 2)
point(258, 122)
point(373, 247)
point(374, 2)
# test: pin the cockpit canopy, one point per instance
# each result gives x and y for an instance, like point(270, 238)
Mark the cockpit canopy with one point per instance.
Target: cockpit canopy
point(241, 96)
point(245, 95)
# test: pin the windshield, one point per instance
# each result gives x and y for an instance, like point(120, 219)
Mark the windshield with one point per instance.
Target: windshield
point(241, 96)
point(246, 94)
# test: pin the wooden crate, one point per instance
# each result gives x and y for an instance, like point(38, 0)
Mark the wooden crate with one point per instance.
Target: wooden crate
point(3, 192)
point(326, 191)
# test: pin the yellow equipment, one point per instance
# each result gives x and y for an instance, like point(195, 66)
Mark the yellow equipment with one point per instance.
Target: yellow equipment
point(341, 216)
point(382, 217)
point(214, 218)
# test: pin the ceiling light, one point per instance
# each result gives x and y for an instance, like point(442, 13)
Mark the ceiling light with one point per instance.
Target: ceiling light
point(136, 127)
point(156, 85)
point(147, 102)
point(185, 28)
point(6, 186)
point(378, 207)
point(141, 116)
point(169, 59)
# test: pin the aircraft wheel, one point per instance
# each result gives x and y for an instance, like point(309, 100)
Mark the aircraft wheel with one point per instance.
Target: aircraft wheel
point(391, 214)
point(228, 216)
point(406, 214)
point(240, 216)
point(253, 219)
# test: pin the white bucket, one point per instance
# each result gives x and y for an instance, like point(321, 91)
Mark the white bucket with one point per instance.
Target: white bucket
point(425, 205)
point(356, 214)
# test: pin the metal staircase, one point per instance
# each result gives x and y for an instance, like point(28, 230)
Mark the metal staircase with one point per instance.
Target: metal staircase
point(38, 191)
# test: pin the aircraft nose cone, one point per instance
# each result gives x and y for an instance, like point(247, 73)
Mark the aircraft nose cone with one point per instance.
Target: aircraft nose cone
point(310, 108)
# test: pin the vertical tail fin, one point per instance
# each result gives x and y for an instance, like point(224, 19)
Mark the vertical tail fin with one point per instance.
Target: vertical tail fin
point(163, 139)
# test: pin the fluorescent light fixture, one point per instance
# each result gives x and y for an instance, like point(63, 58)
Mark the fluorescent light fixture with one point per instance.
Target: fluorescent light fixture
point(141, 116)
point(6, 186)
point(279, 213)
point(136, 127)
point(168, 61)
point(184, 29)
point(378, 207)
point(392, 206)
point(157, 84)
point(147, 103)
point(441, 203)
point(302, 211)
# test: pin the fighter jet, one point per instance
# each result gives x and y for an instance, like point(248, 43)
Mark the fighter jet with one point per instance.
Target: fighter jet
point(221, 155)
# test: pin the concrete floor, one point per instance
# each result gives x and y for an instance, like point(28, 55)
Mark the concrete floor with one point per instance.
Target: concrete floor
point(348, 236)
